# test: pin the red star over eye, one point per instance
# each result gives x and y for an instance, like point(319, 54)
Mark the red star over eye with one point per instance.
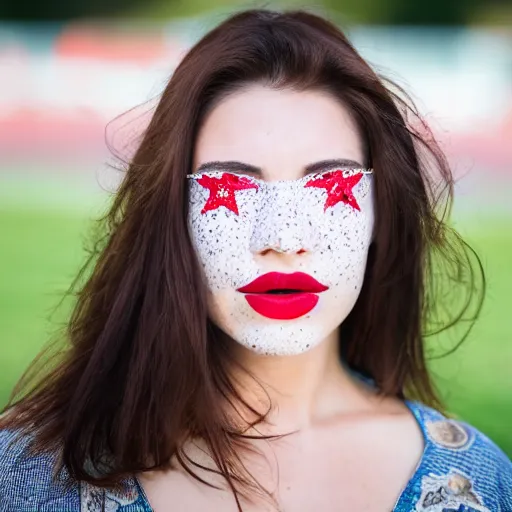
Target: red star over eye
point(222, 190)
point(338, 188)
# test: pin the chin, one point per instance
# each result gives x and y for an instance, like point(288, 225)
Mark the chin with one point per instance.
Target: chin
point(278, 339)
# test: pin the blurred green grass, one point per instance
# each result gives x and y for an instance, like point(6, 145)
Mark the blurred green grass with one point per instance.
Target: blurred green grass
point(42, 248)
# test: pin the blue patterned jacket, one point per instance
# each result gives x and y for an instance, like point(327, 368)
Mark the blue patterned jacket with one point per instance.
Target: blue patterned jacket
point(461, 470)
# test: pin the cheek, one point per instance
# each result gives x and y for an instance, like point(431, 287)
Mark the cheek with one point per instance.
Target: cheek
point(221, 240)
point(345, 239)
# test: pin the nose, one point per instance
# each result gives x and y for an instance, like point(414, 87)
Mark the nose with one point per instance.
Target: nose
point(282, 225)
point(281, 248)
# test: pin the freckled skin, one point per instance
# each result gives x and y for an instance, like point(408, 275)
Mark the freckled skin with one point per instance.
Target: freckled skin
point(283, 225)
point(289, 216)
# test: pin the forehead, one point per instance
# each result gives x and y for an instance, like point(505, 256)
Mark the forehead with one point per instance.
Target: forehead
point(280, 131)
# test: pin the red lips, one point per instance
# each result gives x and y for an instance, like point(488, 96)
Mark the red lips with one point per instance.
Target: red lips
point(283, 296)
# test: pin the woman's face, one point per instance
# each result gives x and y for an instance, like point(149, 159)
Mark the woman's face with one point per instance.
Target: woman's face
point(282, 232)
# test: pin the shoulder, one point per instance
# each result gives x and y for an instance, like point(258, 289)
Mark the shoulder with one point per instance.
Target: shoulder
point(460, 467)
point(27, 481)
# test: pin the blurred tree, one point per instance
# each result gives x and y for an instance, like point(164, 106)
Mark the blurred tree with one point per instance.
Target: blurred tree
point(407, 12)
point(59, 10)
point(433, 12)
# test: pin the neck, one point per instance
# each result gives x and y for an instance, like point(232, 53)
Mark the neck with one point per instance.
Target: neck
point(298, 390)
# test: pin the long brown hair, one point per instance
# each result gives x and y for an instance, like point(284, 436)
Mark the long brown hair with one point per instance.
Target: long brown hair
point(145, 367)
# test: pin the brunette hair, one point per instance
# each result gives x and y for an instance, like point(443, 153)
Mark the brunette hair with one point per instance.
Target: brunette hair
point(145, 367)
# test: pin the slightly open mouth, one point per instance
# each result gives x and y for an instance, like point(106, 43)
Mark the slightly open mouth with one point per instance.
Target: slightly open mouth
point(283, 296)
point(283, 292)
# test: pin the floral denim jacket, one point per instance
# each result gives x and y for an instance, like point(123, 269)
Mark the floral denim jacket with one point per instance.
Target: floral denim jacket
point(461, 470)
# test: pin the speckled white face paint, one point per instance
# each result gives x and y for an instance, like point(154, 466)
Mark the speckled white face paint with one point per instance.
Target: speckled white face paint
point(285, 216)
point(281, 228)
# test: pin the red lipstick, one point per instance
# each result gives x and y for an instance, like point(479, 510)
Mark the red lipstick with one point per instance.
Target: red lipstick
point(283, 296)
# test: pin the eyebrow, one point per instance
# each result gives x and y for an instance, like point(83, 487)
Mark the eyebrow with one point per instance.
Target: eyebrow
point(235, 166)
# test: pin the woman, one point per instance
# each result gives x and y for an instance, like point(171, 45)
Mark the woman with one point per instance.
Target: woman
point(251, 336)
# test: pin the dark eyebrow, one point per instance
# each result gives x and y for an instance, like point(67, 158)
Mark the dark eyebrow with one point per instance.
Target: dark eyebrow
point(229, 165)
point(241, 167)
point(325, 165)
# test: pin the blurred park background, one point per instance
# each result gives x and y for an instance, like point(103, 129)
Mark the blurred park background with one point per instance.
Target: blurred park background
point(68, 68)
